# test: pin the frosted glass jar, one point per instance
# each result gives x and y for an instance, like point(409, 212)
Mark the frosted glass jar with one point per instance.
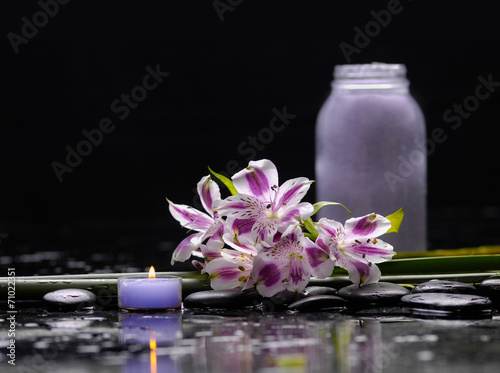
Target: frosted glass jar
point(370, 150)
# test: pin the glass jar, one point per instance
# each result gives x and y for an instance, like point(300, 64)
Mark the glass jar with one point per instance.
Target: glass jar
point(371, 150)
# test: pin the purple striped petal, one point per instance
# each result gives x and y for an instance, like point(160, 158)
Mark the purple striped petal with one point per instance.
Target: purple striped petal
point(371, 225)
point(362, 273)
point(209, 194)
point(184, 250)
point(319, 261)
point(293, 190)
point(242, 206)
point(224, 274)
point(189, 217)
point(372, 250)
point(298, 278)
point(258, 179)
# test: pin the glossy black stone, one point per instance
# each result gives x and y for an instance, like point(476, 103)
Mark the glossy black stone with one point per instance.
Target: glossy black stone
point(491, 288)
point(233, 298)
point(69, 299)
point(318, 303)
point(444, 286)
point(319, 290)
point(447, 302)
point(376, 294)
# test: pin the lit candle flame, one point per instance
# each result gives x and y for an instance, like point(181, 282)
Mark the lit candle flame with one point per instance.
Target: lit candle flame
point(152, 354)
point(152, 272)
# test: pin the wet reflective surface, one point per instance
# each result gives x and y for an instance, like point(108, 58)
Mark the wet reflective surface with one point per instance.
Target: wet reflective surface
point(246, 341)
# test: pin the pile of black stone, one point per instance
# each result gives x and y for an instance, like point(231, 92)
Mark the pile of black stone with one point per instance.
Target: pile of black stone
point(435, 298)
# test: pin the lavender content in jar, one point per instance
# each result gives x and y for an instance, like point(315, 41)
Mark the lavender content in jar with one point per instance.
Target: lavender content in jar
point(370, 150)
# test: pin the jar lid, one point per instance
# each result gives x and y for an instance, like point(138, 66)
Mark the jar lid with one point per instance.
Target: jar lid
point(371, 70)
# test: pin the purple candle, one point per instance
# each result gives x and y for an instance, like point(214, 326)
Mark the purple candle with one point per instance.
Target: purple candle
point(149, 293)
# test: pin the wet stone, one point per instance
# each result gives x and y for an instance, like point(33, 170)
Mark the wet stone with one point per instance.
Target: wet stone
point(376, 294)
point(319, 303)
point(319, 290)
point(491, 288)
point(69, 299)
point(444, 286)
point(233, 298)
point(446, 304)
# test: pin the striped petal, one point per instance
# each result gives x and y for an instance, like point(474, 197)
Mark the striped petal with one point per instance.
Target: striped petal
point(209, 194)
point(361, 273)
point(368, 226)
point(259, 179)
point(319, 260)
point(369, 251)
point(187, 246)
point(268, 276)
point(190, 217)
point(224, 274)
point(242, 206)
point(292, 191)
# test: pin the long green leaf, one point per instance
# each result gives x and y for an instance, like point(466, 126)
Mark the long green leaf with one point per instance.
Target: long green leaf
point(319, 205)
point(396, 219)
point(227, 182)
point(443, 264)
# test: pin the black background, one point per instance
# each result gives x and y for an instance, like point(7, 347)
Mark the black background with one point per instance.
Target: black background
point(220, 92)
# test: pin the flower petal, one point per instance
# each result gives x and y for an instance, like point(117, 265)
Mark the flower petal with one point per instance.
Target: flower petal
point(209, 194)
point(292, 213)
point(371, 225)
point(268, 276)
point(224, 274)
point(298, 276)
point(373, 251)
point(361, 273)
point(319, 260)
point(330, 234)
point(258, 179)
point(184, 250)
point(242, 206)
point(292, 191)
point(190, 217)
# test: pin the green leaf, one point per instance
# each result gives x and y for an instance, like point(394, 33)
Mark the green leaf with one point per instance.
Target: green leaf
point(396, 220)
point(227, 182)
point(319, 205)
point(309, 224)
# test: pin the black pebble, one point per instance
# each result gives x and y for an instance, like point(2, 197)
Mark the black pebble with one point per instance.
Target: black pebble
point(232, 298)
point(376, 294)
point(491, 288)
point(444, 286)
point(319, 290)
point(446, 304)
point(319, 303)
point(69, 299)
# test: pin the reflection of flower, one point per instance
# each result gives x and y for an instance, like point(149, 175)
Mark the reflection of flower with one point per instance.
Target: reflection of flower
point(270, 235)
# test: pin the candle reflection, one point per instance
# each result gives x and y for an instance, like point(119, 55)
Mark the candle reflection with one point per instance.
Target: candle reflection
point(152, 354)
point(144, 335)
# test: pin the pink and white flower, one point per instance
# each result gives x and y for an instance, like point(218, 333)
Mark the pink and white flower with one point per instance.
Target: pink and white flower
point(355, 246)
point(289, 264)
point(262, 205)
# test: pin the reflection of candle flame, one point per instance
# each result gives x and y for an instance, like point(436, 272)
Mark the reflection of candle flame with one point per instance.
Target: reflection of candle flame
point(152, 353)
point(152, 272)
